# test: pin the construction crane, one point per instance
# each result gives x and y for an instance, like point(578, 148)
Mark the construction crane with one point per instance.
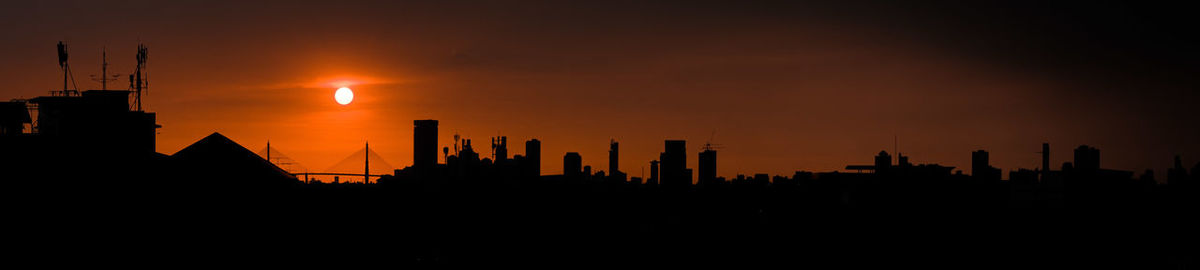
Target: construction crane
point(709, 145)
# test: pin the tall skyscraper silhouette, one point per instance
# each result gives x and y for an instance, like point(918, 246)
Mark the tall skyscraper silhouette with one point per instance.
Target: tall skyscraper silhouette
point(500, 149)
point(674, 164)
point(981, 169)
point(979, 162)
point(533, 155)
point(572, 165)
point(425, 143)
point(707, 167)
point(613, 152)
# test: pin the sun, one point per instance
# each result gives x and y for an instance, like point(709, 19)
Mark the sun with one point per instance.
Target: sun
point(343, 95)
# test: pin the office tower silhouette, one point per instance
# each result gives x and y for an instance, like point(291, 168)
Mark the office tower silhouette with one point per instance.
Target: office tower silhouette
point(1087, 159)
point(572, 165)
point(707, 167)
point(500, 149)
point(980, 168)
point(533, 157)
point(613, 152)
point(425, 143)
point(674, 164)
point(883, 162)
point(979, 162)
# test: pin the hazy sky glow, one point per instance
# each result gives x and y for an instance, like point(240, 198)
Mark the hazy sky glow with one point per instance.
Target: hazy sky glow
point(786, 86)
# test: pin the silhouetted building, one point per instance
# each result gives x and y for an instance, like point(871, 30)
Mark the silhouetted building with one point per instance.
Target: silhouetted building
point(802, 176)
point(533, 157)
point(500, 149)
point(1087, 159)
point(1022, 188)
point(613, 153)
point(1177, 175)
point(217, 158)
point(674, 165)
point(981, 170)
point(13, 117)
point(883, 162)
point(572, 165)
point(761, 180)
point(98, 118)
point(707, 167)
point(467, 157)
point(1147, 179)
point(425, 143)
point(978, 161)
point(95, 132)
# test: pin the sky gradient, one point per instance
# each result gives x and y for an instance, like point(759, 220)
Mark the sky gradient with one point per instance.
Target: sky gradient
point(785, 86)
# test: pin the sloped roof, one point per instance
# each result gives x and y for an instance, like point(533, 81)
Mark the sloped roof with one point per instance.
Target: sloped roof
point(218, 156)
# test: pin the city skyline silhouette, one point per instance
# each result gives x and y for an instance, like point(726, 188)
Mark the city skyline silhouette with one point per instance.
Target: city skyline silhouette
point(786, 86)
point(849, 134)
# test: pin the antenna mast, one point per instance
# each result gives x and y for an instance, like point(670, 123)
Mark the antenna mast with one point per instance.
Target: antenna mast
point(366, 162)
point(456, 143)
point(66, 68)
point(103, 68)
point(104, 79)
point(136, 79)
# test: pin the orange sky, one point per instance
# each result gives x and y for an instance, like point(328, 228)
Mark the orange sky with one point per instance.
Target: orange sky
point(782, 93)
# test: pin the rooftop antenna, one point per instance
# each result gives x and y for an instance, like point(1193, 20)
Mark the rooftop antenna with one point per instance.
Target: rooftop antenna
point(136, 80)
point(103, 79)
point(66, 68)
point(456, 141)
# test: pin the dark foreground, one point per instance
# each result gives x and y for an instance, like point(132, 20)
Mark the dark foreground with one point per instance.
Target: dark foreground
point(584, 225)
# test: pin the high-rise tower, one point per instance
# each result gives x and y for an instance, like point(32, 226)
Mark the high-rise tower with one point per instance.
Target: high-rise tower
point(425, 143)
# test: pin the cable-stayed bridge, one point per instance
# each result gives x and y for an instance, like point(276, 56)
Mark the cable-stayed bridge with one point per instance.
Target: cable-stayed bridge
point(363, 163)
